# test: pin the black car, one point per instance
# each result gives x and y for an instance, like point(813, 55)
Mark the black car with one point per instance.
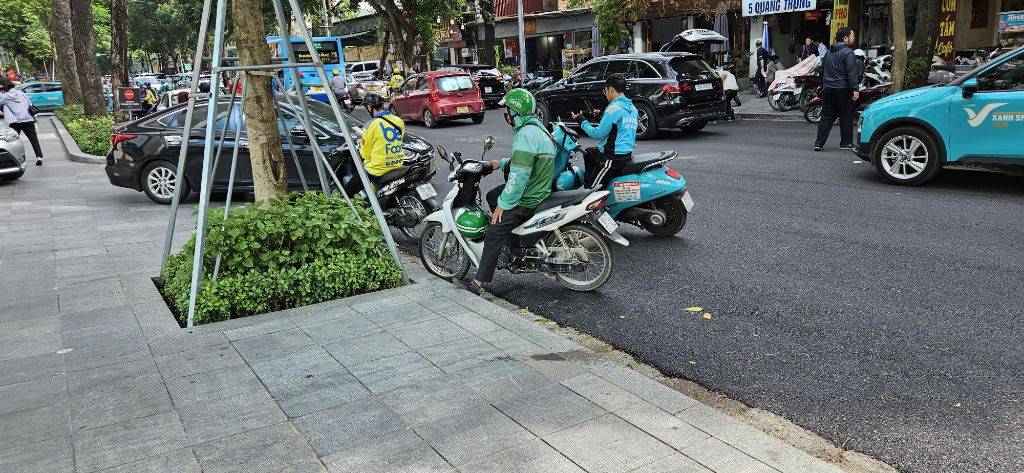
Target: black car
point(489, 79)
point(670, 90)
point(144, 153)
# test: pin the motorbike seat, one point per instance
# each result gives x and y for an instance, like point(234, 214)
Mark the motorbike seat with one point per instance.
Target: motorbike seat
point(557, 199)
point(392, 175)
point(647, 161)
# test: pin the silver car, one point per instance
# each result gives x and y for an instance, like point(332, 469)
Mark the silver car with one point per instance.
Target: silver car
point(12, 154)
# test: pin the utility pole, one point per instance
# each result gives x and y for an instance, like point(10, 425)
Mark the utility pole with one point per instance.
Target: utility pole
point(522, 38)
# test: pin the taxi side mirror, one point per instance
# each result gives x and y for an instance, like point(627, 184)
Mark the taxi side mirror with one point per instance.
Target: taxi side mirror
point(969, 88)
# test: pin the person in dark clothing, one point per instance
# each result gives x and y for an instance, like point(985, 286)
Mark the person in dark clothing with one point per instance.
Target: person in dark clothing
point(840, 82)
point(808, 49)
point(762, 64)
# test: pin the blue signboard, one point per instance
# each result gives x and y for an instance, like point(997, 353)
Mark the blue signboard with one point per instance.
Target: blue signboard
point(1011, 22)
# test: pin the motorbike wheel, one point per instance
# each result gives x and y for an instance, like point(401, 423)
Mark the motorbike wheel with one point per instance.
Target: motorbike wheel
point(412, 203)
point(772, 102)
point(787, 102)
point(675, 216)
point(584, 242)
point(805, 98)
point(813, 113)
point(442, 254)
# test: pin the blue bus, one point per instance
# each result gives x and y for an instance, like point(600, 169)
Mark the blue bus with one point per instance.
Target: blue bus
point(331, 54)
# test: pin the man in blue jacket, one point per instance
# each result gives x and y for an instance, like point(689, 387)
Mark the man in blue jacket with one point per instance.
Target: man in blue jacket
point(615, 135)
point(840, 89)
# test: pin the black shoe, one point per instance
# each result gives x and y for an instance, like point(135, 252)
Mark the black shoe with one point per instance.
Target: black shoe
point(470, 285)
point(817, 148)
point(848, 147)
point(39, 161)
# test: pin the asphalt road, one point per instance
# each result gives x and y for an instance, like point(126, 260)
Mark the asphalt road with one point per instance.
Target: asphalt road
point(883, 318)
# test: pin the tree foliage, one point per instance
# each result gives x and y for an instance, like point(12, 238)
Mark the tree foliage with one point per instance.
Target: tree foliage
point(415, 24)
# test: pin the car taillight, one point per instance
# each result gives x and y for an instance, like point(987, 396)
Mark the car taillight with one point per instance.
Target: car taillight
point(116, 138)
point(687, 87)
point(670, 89)
point(597, 204)
point(672, 173)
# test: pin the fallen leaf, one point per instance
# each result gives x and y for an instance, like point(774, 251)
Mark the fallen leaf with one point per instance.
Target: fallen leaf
point(694, 309)
point(706, 315)
point(691, 362)
point(622, 316)
point(956, 405)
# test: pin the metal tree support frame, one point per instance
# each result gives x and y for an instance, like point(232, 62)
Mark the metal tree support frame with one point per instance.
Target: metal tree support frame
point(212, 155)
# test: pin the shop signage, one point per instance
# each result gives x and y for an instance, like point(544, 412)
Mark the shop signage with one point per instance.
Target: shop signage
point(1011, 22)
point(840, 17)
point(771, 7)
point(947, 30)
point(130, 98)
point(529, 26)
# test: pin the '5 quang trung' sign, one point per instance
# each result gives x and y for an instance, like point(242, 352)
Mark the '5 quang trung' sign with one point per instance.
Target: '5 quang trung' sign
point(771, 7)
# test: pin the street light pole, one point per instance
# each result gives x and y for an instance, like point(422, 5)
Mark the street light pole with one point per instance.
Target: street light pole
point(522, 38)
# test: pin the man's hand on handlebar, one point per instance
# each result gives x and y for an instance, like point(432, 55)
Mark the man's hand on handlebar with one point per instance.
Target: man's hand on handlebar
point(495, 164)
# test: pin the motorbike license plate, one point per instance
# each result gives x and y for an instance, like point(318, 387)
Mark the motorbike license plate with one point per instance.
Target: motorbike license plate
point(688, 202)
point(426, 191)
point(700, 87)
point(487, 90)
point(607, 222)
point(462, 109)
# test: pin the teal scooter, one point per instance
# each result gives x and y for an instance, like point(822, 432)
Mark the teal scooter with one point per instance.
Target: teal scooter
point(648, 194)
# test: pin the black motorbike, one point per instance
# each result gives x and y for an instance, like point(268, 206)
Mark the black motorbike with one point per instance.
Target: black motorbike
point(406, 195)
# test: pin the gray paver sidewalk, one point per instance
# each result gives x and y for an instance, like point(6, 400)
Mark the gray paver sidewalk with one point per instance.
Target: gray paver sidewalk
point(97, 376)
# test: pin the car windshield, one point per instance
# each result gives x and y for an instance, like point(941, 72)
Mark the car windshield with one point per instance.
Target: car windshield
point(454, 83)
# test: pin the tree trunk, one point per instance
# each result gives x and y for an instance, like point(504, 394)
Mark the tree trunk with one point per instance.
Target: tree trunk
point(118, 54)
point(399, 24)
point(899, 43)
point(919, 58)
point(269, 175)
point(487, 12)
point(84, 40)
point(384, 51)
point(61, 33)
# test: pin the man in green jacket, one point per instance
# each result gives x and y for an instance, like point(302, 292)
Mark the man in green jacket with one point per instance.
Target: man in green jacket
point(529, 172)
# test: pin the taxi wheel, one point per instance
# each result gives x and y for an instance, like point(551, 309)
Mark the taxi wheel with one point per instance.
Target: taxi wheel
point(906, 156)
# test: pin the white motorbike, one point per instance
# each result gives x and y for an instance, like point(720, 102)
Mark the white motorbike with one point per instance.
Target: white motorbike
point(567, 235)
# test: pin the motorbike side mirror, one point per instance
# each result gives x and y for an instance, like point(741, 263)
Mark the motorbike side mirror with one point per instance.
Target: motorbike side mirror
point(488, 143)
point(969, 88)
point(442, 152)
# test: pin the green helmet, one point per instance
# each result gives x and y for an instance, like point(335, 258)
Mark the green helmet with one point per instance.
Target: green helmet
point(519, 101)
point(471, 223)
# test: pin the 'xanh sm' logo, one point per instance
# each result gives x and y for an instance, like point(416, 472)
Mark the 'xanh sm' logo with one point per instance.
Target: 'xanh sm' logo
point(976, 118)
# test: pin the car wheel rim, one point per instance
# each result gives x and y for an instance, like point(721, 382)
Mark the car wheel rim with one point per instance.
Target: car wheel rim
point(161, 181)
point(428, 119)
point(641, 121)
point(904, 157)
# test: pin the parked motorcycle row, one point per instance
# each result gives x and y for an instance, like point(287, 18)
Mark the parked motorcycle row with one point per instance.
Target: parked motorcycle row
point(568, 236)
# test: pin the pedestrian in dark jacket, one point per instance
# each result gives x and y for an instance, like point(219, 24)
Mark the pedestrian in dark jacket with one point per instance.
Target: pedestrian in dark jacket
point(840, 82)
point(762, 64)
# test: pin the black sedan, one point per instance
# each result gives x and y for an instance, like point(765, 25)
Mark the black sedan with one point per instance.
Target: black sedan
point(670, 90)
point(489, 79)
point(144, 153)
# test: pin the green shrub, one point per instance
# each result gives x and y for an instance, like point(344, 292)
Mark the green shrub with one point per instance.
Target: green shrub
point(91, 133)
point(288, 252)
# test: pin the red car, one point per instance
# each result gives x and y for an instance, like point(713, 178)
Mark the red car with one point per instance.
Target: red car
point(436, 96)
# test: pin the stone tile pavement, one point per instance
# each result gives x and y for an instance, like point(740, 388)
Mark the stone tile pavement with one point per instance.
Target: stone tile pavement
point(97, 376)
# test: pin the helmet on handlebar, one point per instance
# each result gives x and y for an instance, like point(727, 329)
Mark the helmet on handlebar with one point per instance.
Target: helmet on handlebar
point(471, 223)
point(519, 102)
